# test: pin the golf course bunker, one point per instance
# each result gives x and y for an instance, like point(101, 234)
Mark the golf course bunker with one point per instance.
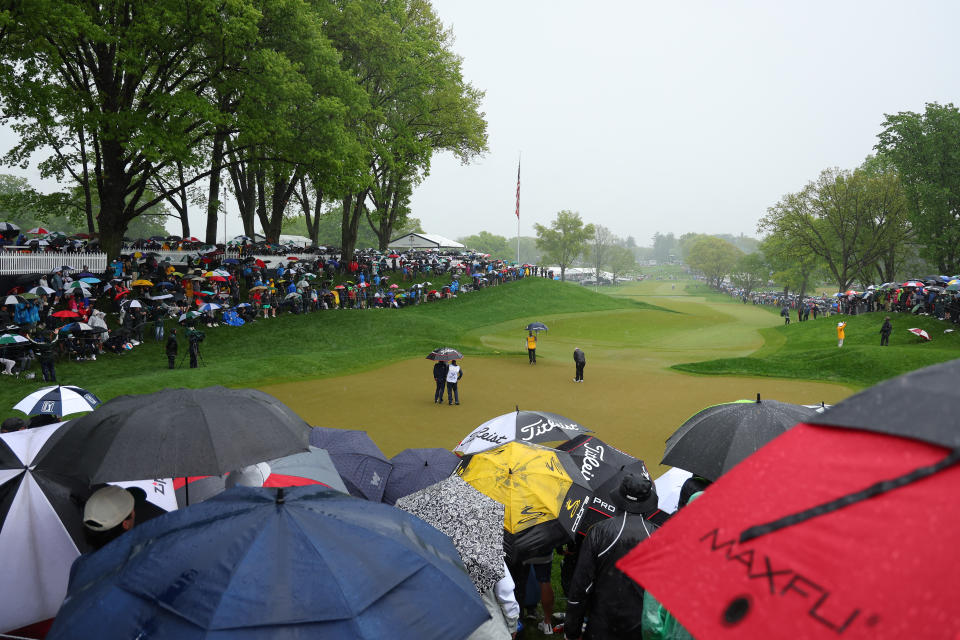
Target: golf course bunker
point(630, 397)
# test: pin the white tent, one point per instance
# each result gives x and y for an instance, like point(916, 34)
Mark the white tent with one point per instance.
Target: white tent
point(424, 241)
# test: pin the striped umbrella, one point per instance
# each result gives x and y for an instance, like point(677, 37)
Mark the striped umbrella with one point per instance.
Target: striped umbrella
point(59, 401)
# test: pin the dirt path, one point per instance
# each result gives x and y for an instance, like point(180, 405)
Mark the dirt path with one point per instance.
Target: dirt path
point(629, 397)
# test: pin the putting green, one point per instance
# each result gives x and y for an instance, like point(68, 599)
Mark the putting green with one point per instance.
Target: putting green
point(629, 398)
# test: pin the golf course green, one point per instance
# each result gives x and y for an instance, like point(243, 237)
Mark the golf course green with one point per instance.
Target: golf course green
point(630, 396)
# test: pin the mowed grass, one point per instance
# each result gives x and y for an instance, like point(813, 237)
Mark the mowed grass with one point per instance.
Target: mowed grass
point(323, 344)
point(808, 350)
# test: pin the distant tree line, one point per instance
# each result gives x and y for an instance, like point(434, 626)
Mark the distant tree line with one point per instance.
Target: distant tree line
point(896, 215)
point(292, 105)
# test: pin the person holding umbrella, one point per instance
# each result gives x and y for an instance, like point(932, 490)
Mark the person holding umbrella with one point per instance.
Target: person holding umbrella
point(840, 333)
point(454, 373)
point(440, 377)
point(614, 601)
point(532, 347)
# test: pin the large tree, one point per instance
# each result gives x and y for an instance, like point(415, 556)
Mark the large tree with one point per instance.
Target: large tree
point(119, 87)
point(846, 218)
point(925, 147)
point(487, 242)
point(713, 257)
point(565, 240)
point(750, 271)
point(600, 248)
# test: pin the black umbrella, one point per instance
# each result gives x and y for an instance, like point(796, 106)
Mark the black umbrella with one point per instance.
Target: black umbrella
point(175, 433)
point(362, 466)
point(598, 461)
point(416, 469)
point(536, 326)
point(445, 354)
point(716, 439)
point(933, 419)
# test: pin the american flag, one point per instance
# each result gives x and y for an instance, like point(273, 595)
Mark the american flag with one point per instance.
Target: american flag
point(518, 190)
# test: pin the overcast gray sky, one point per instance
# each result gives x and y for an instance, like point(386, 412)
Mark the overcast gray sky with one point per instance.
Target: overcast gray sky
point(677, 116)
point(672, 116)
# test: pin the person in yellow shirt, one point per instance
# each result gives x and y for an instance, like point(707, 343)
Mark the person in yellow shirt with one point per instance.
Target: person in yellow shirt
point(532, 348)
point(840, 333)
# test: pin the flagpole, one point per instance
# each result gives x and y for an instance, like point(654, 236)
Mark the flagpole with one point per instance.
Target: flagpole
point(519, 157)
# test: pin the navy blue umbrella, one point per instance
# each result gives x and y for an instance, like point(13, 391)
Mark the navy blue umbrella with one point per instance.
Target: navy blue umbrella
point(416, 469)
point(362, 466)
point(303, 562)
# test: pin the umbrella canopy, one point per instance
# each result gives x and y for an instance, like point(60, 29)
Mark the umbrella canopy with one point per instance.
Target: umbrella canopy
point(39, 290)
point(541, 489)
point(471, 520)
point(536, 326)
point(278, 563)
point(445, 354)
point(310, 467)
point(359, 462)
point(716, 439)
point(934, 420)
point(133, 304)
point(209, 306)
point(7, 228)
point(912, 283)
point(65, 313)
point(12, 338)
point(189, 315)
point(41, 530)
point(141, 283)
point(58, 401)
point(596, 459)
point(415, 469)
point(852, 571)
point(176, 433)
point(919, 332)
point(13, 300)
point(523, 426)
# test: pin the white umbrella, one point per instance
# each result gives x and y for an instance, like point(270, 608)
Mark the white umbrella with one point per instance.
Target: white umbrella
point(39, 290)
point(58, 400)
point(134, 304)
point(524, 426)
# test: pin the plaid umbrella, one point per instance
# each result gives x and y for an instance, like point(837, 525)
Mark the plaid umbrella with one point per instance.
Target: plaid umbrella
point(470, 519)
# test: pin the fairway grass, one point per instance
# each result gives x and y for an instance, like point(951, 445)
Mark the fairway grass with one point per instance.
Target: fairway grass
point(808, 350)
point(630, 397)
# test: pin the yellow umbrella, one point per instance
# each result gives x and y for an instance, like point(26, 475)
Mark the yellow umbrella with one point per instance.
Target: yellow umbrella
point(542, 491)
point(141, 283)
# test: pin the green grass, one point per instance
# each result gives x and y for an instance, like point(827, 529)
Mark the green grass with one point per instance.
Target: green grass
point(327, 343)
point(808, 350)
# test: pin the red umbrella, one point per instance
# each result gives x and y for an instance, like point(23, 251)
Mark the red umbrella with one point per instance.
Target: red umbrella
point(260, 263)
point(66, 313)
point(394, 286)
point(393, 255)
point(191, 239)
point(292, 258)
point(874, 568)
point(217, 278)
point(40, 231)
point(920, 332)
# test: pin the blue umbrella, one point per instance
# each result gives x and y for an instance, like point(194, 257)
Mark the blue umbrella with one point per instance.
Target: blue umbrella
point(359, 462)
point(416, 469)
point(90, 280)
point(231, 261)
point(274, 563)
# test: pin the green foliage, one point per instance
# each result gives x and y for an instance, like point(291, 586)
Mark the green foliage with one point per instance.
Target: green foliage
point(565, 240)
point(621, 261)
point(808, 351)
point(925, 147)
point(850, 220)
point(713, 257)
point(664, 246)
point(750, 272)
point(493, 244)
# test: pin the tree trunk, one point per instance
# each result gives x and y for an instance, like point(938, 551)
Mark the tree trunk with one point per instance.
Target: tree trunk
point(352, 210)
point(112, 183)
point(213, 197)
point(87, 199)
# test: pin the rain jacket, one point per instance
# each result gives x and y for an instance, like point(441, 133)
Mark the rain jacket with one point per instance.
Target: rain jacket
point(613, 601)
